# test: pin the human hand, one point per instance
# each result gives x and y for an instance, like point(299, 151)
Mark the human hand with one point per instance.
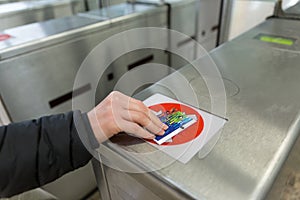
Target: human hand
point(118, 112)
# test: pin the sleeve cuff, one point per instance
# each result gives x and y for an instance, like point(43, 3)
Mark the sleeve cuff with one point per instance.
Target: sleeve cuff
point(83, 125)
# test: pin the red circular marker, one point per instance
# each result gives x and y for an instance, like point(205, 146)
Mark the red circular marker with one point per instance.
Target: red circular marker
point(4, 37)
point(190, 132)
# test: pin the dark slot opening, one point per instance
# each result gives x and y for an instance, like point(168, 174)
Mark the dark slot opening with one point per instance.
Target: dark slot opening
point(86, 5)
point(215, 28)
point(66, 97)
point(110, 76)
point(140, 62)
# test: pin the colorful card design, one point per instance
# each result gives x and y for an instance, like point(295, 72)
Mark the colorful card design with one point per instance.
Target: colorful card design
point(198, 127)
point(176, 120)
point(184, 123)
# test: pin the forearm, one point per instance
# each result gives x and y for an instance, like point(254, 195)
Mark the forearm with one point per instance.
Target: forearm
point(36, 152)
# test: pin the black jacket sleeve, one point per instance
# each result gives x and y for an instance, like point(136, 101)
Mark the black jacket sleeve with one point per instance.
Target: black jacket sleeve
point(36, 152)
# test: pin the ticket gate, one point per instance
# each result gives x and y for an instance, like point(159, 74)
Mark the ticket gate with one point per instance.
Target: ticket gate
point(256, 156)
point(44, 58)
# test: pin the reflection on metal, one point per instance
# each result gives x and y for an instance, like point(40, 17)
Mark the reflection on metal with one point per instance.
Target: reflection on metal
point(287, 182)
point(226, 13)
point(263, 125)
point(289, 13)
point(21, 13)
point(101, 178)
point(4, 117)
point(37, 194)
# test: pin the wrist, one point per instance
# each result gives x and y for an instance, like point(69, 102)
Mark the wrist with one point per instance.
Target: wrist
point(96, 127)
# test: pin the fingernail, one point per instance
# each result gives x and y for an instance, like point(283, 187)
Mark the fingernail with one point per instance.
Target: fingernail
point(161, 133)
point(152, 137)
point(165, 127)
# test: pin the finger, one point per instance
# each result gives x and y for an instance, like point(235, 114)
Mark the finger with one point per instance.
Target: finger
point(129, 103)
point(157, 121)
point(135, 129)
point(139, 106)
point(143, 120)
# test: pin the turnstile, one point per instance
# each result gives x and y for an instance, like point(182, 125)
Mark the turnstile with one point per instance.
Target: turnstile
point(261, 78)
point(39, 61)
point(21, 13)
point(198, 19)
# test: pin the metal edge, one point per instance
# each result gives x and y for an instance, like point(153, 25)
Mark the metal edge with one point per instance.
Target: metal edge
point(52, 40)
point(152, 174)
point(278, 160)
point(68, 35)
point(225, 22)
point(5, 118)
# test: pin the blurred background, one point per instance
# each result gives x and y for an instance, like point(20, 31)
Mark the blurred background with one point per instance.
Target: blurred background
point(44, 42)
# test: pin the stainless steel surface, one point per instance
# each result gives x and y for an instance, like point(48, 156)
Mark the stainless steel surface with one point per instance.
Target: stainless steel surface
point(180, 11)
point(295, 9)
point(196, 19)
point(38, 35)
point(4, 1)
point(101, 181)
point(225, 20)
point(286, 185)
point(4, 117)
point(36, 194)
point(55, 53)
point(291, 12)
point(106, 3)
point(132, 186)
point(116, 11)
point(123, 12)
point(20, 13)
point(74, 185)
point(263, 125)
point(208, 21)
point(34, 36)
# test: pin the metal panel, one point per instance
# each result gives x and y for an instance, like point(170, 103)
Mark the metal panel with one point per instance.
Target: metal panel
point(4, 117)
point(44, 75)
point(290, 12)
point(208, 19)
point(185, 48)
point(127, 186)
point(226, 12)
point(74, 185)
point(38, 35)
point(286, 185)
point(210, 43)
point(21, 13)
point(124, 187)
point(263, 125)
point(123, 12)
point(183, 17)
point(295, 9)
point(34, 194)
